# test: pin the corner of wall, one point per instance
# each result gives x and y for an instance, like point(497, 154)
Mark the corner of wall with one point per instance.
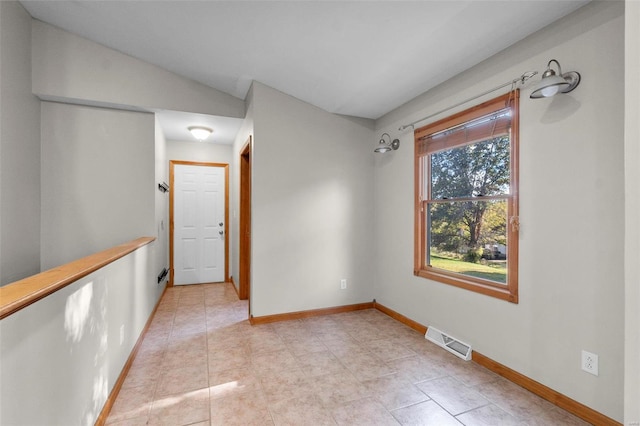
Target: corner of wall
point(632, 213)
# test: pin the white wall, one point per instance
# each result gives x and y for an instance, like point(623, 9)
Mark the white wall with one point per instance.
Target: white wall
point(161, 203)
point(19, 149)
point(632, 213)
point(62, 355)
point(199, 151)
point(98, 172)
point(71, 68)
point(312, 206)
point(572, 216)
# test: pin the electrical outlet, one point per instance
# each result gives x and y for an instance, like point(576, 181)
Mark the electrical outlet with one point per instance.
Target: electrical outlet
point(590, 362)
point(121, 334)
point(343, 284)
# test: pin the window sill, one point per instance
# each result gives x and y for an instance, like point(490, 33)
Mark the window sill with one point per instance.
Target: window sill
point(470, 283)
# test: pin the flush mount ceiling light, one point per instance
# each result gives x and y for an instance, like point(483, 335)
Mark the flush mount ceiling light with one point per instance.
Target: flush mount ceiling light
point(387, 145)
point(553, 83)
point(200, 133)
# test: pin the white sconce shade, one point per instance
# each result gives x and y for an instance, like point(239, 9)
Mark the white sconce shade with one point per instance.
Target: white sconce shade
point(553, 83)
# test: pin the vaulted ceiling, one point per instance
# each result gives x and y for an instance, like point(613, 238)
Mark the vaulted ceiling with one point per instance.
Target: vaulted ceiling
point(360, 58)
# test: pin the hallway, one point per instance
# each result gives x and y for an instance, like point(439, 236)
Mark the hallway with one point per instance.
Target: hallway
point(202, 363)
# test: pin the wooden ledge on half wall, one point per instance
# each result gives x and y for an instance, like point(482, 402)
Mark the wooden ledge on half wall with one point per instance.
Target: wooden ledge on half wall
point(20, 294)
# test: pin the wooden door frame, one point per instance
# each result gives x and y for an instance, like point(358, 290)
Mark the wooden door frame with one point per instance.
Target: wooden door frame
point(172, 164)
point(244, 228)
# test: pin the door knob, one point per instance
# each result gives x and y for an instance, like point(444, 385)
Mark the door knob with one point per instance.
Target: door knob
point(221, 224)
point(220, 232)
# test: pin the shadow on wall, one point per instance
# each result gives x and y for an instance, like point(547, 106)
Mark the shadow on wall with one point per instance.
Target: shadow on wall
point(85, 318)
point(559, 109)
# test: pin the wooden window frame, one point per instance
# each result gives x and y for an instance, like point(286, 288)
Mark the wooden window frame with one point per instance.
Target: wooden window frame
point(508, 292)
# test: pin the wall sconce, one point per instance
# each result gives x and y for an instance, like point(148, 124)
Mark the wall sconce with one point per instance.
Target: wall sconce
point(200, 133)
point(163, 187)
point(553, 83)
point(387, 145)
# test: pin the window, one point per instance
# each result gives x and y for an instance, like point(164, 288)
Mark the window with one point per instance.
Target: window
point(466, 199)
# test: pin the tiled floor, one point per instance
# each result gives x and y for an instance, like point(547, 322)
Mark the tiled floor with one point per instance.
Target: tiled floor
point(202, 363)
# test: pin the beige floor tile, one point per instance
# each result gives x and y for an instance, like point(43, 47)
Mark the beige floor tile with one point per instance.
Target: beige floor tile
point(245, 409)
point(271, 362)
point(190, 312)
point(489, 415)
point(153, 345)
point(320, 322)
point(229, 362)
point(293, 330)
point(304, 345)
point(435, 353)
point(220, 315)
point(302, 410)
point(230, 382)
point(220, 341)
point(179, 360)
point(513, 399)
point(426, 413)
point(365, 411)
point(286, 385)
point(182, 409)
point(187, 343)
point(202, 358)
point(345, 347)
point(219, 346)
point(471, 374)
point(553, 415)
point(137, 421)
point(262, 330)
point(417, 368)
point(387, 349)
point(132, 403)
point(337, 389)
point(416, 341)
point(264, 344)
point(156, 337)
point(452, 395)
point(444, 358)
point(366, 366)
point(189, 328)
point(320, 363)
point(332, 334)
point(182, 380)
point(143, 375)
point(394, 391)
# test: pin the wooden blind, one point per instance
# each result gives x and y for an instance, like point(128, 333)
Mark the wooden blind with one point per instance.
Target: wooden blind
point(489, 120)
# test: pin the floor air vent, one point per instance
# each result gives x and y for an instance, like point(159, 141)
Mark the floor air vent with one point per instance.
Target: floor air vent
point(449, 343)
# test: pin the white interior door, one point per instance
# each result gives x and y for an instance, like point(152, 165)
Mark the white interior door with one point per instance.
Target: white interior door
point(198, 214)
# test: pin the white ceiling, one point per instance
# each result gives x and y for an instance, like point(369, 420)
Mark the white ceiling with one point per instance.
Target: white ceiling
point(360, 58)
point(175, 126)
